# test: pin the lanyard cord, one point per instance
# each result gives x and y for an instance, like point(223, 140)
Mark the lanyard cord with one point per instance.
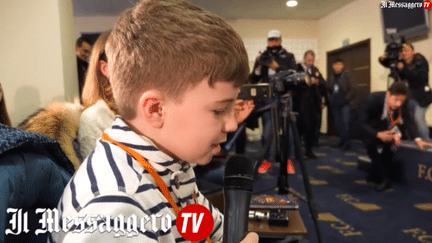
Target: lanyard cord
point(390, 119)
point(148, 167)
point(152, 172)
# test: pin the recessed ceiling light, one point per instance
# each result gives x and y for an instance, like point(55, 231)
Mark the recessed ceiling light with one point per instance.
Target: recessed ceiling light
point(291, 3)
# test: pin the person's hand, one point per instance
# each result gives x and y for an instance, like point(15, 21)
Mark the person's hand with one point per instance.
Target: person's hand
point(273, 65)
point(423, 144)
point(251, 237)
point(400, 65)
point(242, 109)
point(258, 68)
point(314, 80)
point(386, 136)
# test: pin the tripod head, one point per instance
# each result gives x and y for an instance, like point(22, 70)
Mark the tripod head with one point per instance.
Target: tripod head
point(280, 84)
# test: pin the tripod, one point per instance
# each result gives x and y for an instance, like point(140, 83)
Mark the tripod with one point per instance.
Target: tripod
point(281, 144)
point(393, 75)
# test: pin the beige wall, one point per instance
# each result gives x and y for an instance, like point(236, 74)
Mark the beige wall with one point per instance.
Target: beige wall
point(247, 28)
point(290, 29)
point(37, 54)
point(254, 34)
point(93, 24)
point(359, 21)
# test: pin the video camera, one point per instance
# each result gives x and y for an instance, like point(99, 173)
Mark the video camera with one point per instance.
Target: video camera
point(279, 84)
point(264, 59)
point(392, 51)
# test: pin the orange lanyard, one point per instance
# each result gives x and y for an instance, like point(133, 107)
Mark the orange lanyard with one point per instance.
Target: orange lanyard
point(390, 114)
point(389, 117)
point(152, 172)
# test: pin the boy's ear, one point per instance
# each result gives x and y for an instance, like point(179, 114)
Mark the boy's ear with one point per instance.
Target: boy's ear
point(151, 105)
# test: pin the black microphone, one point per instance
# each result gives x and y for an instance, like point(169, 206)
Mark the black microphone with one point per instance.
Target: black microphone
point(238, 185)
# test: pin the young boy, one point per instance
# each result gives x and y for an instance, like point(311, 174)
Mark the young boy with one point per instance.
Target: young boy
point(175, 72)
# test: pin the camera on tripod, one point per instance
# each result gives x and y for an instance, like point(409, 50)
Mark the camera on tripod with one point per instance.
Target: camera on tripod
point(393, 49)
point(279, 84)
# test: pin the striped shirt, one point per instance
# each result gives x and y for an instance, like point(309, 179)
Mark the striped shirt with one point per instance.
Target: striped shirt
point(111, 182)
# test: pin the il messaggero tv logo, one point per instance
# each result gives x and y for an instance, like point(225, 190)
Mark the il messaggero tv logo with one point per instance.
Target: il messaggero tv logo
point(120, 225)
point(408, 5)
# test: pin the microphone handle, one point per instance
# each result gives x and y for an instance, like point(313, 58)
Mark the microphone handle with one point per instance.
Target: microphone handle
point(236, 214)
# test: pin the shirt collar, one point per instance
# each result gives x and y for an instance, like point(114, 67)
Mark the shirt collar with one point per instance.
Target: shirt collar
point(385, 110)
point(306, 68)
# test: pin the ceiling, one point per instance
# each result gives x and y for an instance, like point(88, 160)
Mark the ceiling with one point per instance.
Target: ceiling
point(228, 9)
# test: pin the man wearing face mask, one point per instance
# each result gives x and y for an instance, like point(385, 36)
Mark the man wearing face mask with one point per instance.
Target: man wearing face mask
point(274, 59)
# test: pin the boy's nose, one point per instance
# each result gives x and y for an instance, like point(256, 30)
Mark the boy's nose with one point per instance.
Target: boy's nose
point(230, 123)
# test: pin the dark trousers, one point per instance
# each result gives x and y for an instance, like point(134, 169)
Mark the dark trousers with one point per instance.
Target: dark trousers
point(318, 128)
point(309, 139)
point(381, 156)
point(342, 121)
point(311, 133)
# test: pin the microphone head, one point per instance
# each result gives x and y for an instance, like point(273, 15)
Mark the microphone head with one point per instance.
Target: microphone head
point(239, 173)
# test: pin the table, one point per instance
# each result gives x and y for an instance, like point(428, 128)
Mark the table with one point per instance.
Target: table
point(295, 228)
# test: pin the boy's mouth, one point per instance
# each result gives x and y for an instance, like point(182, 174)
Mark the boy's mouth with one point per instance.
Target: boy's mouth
point(215, 148)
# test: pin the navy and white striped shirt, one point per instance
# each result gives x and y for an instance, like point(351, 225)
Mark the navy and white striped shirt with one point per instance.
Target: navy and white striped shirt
point(111, 182)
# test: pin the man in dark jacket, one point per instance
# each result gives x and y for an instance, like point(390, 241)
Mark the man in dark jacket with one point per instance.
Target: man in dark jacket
point(309, 101)
point(343, 101)
point(414, 70)
point(379, 117)
point(270, 62)
point(82, 49)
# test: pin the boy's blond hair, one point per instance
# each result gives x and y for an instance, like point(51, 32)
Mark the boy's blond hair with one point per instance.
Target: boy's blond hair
point(171, 46)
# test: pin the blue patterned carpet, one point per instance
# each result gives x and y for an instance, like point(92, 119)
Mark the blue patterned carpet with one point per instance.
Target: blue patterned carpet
point(350, 210)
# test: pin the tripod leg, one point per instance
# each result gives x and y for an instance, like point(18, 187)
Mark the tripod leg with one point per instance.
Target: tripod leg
point(283, 174)
point(275, 130)
point(299, 154)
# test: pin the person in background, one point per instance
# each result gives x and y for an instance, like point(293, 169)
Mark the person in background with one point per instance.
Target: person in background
point(379, 117)
point(33, 173)
point(97, 99)
point(82, 49)
point(308, 102)
point(4, 115)
point(273, 60)
point(413, 68)
point(343, 100)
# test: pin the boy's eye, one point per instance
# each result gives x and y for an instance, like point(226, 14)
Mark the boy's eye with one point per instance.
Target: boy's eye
point(219, 112)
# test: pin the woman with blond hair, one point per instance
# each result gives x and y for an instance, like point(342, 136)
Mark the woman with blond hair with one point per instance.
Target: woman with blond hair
point(97, 98)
